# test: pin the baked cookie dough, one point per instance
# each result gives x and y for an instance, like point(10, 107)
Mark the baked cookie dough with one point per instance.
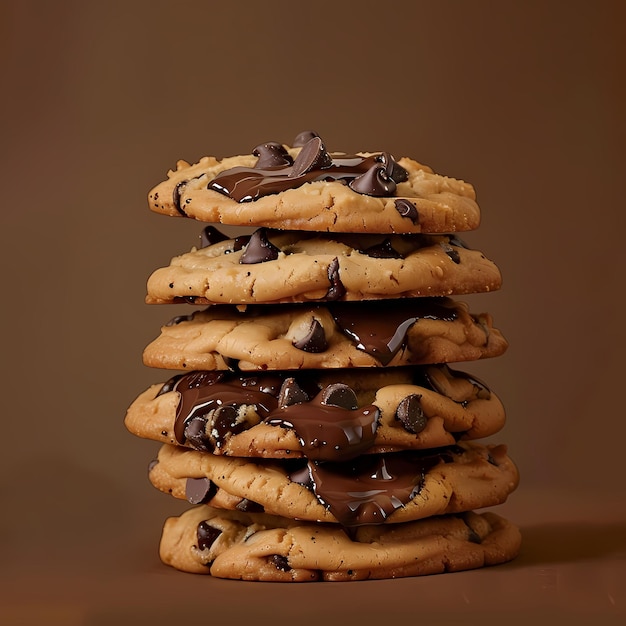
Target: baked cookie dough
point(271, 414)
point(290, 266)
point(408, 331)
point(306, 188)
point(383, 488)
point(245, 546)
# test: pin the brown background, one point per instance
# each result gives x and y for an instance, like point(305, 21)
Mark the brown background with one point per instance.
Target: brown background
point(524, 100)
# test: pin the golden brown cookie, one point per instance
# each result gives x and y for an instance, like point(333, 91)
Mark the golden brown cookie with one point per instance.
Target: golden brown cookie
point(270, 414)
point(307, 188)
point(229, 544)
point(381, 488)
point(290, 266)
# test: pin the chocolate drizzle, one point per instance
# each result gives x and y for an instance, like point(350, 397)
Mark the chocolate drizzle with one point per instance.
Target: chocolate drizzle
point(207, 412)
point(369, 488)
point(375, 175)
point(327, 427)
point(381, 328)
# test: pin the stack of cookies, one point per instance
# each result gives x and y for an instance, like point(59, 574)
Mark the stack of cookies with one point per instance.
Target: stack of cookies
point(311, 415)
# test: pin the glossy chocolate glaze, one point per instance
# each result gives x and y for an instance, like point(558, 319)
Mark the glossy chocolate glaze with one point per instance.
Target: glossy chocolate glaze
point(368, 489)
point(203, 392)
point(327, 431)
point(380, 328)
point(375, 175)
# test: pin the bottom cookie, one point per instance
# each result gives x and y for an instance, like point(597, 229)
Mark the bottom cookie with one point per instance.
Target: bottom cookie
point(249, 546)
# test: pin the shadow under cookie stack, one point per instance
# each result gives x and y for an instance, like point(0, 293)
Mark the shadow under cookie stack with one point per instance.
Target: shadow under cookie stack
point(311, 416)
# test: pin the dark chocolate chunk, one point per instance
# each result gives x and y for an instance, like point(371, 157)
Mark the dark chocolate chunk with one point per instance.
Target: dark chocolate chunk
point(304, 137)
point(291, 393)
point(312, 156)
point(195, 434)
point(336, 289)
point(199, 490)
point(271, 154)
point(240, 242)
point(206, 535)
point(411, 414)
point(392, 168)
point(210, 236)
point(451, 252)
point(407, 209)
point(152, 464)
point(473, 536)
point(339, 394)
point(249, 506)
point(169, 385)
point(383, 250)
point(259, 249)
point(280, 562)
point(176, 193)
point(225, 423)
point(374, 182)
point(315, 340)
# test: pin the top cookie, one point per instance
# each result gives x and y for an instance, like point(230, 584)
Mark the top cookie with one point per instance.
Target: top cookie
point(304, 187)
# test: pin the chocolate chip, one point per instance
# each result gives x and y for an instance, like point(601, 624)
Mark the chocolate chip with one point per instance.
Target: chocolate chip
point(210, 236)
point(411, 414)
point(313, 156)
point(336, 289)
point(382, 250)
point(225, 423)
point(375, 182)
point(472, 535)
point(451, 252)
point(453, 240)
point(206, 535)
point(152, 464)
point(280, 562)
point(240, 242)
point(199, 490)
point(392, 168)
point(249, 506)
point(304, 137)
point(176, 193)
point(291, 393)
point(259, 249)
point(407, 209)
point(315, 340)
point(340, 395)
point(271, 154)
point(195, 433)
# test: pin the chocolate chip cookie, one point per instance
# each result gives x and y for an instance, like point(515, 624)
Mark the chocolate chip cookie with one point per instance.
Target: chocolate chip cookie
point(286, 415)
point(289, 266)
point(249, 546)
point(306, 188)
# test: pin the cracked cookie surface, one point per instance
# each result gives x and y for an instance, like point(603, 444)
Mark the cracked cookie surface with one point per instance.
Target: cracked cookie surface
point(242, 546)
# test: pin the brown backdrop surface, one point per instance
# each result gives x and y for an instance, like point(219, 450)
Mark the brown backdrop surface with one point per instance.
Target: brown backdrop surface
point(524, 100)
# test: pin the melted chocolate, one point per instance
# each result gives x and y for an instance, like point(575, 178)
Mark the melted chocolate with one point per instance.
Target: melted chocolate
point(368, 489)
point(204, 392)
point(381, 328)
point(373, 175)
point(327, 431)
point(383, 250)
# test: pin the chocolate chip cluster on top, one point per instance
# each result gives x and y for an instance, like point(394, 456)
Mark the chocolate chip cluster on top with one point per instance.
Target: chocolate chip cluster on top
point(315, 389)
